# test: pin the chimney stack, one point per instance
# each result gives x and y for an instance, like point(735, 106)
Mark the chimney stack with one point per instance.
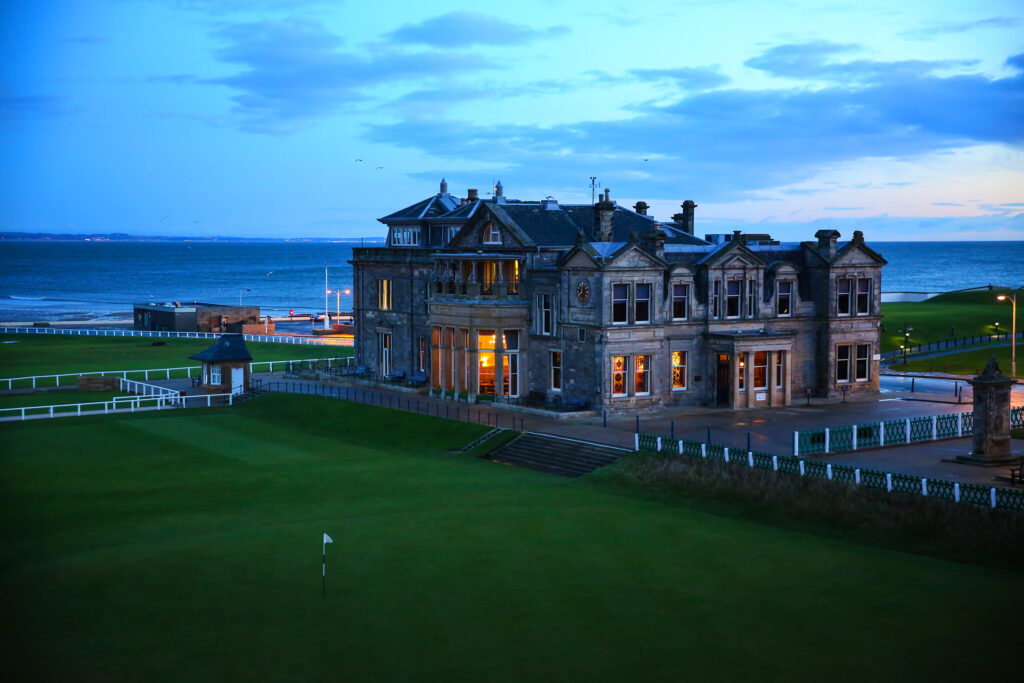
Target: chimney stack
point(641, 208)
point(472, 195)
point(685, 219)
point(654, 241)
point(604, 216)
point(827, 242)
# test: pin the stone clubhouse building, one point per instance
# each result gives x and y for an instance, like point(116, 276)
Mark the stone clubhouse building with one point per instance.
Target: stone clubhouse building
point(601, 306)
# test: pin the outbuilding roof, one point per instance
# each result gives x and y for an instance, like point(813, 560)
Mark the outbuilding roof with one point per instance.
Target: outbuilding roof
point(229, 347)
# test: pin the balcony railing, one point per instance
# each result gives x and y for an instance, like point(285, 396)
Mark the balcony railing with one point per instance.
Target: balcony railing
point(474, 290)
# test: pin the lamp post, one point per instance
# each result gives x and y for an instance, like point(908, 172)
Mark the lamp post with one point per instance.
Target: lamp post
point(1013, 330)
point(327, 313)
point(904, 350)
point(338, 301)
point(243, 289)
point(997, 329)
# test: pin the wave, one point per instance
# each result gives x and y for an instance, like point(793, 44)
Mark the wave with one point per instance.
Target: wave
point(23, 298)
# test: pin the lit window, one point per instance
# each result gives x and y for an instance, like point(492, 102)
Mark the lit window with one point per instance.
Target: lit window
point(863, 366)
point(863, 296)
point(741, 377)
point(384, 354)
point(492, 234)
point(843, 297)
point(618, 375)
point(642, 305)
point(732, 299)
point(779, 367)
point(680, 301)
point(620, 304)
point(556, 371)
point(384, 295)
point(643, 375)
point(842, 363)
point(760, 369)
point(783, 301)
point(678, 370)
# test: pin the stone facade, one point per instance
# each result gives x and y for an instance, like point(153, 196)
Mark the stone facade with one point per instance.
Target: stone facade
point(601, 305)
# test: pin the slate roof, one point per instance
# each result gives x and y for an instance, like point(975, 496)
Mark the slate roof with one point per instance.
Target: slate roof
point(431, 207)
point(228, 348)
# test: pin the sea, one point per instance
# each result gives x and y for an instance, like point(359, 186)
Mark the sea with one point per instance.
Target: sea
point(57, 281)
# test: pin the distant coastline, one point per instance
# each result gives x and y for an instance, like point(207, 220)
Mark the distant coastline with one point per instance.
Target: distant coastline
point(126, 237)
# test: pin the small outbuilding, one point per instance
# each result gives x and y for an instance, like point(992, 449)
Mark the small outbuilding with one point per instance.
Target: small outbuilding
point(225, 366)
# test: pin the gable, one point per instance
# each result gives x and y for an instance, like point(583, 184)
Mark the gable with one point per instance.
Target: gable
point(488, 229)
point(734, 255)
point(579, 259)
point(633, 258)
point(856, 255)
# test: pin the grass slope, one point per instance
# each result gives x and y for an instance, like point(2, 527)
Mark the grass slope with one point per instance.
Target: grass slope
point(52, 398)
point(37, 354)
point(957, 314)
point(182, 546)
point(965, 362)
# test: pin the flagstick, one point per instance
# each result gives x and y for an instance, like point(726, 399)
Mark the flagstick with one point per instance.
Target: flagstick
point(323, 587)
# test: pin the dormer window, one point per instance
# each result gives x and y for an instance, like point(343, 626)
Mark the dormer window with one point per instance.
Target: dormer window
point(492, 234)
point(405, 237)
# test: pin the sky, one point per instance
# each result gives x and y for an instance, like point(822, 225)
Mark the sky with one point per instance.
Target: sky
point(290, 118)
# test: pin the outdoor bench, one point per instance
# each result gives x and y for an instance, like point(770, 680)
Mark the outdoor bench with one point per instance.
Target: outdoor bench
point(417, 380)
point(576, 403)
point(396, 376)
point(1017, 473)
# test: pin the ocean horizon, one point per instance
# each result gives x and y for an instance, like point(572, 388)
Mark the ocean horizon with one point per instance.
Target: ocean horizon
point(55, 280)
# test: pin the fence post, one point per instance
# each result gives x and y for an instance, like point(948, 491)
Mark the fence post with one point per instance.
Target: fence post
point(828, 471)
point(680, 444)
point(703, 450)
point(636, 441)
point(826, 439)
point(854, 437)
point(956, 491)
point(908, 430)
point(727, 454)
point(659, 444)
point(856, 476)
point(801, 468)
point(888, 481)
point(924, 486)
point(775, 463)
point(750, 458)
point(796, 443)
point(881, 433)
point(959, 424)
point(992, 495)
point(935, 431)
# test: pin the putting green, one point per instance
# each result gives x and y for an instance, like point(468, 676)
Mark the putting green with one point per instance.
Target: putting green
point(183, 546)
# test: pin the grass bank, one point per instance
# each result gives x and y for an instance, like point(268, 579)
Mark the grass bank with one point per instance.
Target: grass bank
point(965, 362)
point(37, 354)
point(183, 546)
point(947, 316)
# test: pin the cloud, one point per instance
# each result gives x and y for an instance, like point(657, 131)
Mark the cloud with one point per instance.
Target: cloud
point(463, 29)
point(1016, 62)
point(933, 30)
point(295, 69)
point(29, 107)
point(946, 204)
point(179, 79)
point(723, 144)
point(686, 78)
point(814, 61)
point(844, 208)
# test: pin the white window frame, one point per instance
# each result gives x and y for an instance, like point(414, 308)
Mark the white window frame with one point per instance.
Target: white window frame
point(492, 233)
point(738, 297)
point(751, 298)
point(555, 364)
point(405, 236)
point(545, 314)
point(841, 377)
point(681, 367)
point(384, 353)
point(780, 369)
point(215, 374)
point(646, 372)
point(625, 376)
point(787, 296)
point(848, 295)
point(716, 299)
point(421, 350)
point(857, 361)
point(756, 366)
point(867, 282)
point(624, 302)
point(637, 301)
point(684, 299)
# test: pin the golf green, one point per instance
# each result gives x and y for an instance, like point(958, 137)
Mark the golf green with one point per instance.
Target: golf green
point(184, 546)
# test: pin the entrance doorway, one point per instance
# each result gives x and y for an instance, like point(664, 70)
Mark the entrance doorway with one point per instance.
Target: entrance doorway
point(724, 380)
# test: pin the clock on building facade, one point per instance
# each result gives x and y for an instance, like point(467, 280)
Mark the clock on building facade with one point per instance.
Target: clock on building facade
point(583, 291)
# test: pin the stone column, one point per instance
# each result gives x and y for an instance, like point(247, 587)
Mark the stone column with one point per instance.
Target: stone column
point(773, 399)
point(473, 354)
point(499, 364)
point(734, 360)
point(787, 383)
point(991, 418)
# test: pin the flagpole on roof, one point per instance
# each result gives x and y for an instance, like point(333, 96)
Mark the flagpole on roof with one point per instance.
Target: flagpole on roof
point(323, 583)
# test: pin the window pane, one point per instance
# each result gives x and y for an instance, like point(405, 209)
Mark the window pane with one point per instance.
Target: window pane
point(760, 369)
point(679, 369)
point(643, 303)
point(619, 375)
point(620, 302)
point(642, 373)
point(679, 301)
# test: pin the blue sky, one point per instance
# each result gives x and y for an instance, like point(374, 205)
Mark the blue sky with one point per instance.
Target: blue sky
point(311, 119)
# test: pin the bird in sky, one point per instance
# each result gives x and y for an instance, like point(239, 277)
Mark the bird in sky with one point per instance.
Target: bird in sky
point(358, 160)
point(379, 167)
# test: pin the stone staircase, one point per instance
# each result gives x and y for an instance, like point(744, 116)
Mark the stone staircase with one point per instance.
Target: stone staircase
point(556, 455)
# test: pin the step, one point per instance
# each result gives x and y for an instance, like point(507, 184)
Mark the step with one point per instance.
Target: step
point(556, 455)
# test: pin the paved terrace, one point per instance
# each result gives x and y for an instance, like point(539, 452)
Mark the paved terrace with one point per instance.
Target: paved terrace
point(770, 429)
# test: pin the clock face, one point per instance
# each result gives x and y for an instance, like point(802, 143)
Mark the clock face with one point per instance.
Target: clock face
point(583, 291)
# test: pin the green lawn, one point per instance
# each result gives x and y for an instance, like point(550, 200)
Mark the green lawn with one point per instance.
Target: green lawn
point(183, 547)
point(51, 398)
point(958, 314)
point(965, 362)
point(37, 354)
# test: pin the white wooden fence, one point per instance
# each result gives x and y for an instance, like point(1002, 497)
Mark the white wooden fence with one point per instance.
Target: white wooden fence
point(118, 404)
point(276, 338)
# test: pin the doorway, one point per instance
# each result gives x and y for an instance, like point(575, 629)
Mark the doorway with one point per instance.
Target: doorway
point(237, 380)
point(724, 381)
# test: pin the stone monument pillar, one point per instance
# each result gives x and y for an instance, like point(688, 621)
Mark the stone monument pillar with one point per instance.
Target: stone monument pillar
point(991, 418)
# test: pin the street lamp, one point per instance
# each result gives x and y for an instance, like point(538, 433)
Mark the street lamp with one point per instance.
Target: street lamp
point(904, 350)
point(338, 293)
point(997, 329)
point(1013, 329)
point(243, 289)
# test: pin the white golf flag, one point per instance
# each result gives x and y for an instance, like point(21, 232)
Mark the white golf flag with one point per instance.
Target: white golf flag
point(328, 539)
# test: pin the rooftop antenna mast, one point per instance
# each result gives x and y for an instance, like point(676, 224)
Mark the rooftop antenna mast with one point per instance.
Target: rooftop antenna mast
point(593, 187)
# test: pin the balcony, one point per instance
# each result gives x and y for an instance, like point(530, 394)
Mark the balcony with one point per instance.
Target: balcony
point(474, 291)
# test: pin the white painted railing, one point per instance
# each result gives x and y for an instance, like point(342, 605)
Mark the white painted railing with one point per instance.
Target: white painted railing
point(118, 404)
point(276, 338)
point(143, 389)
point(71, 378)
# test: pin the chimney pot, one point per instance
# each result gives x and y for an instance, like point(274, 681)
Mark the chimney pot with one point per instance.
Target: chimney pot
point(472, 195)
point(641, 208)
